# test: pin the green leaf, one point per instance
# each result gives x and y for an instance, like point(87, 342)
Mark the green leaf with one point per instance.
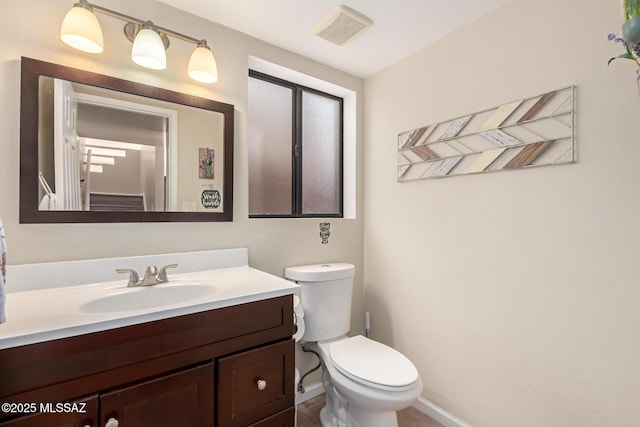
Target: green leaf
point(623, 56)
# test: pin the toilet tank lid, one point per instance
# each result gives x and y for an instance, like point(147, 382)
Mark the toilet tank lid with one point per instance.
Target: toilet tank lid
point(320, 272)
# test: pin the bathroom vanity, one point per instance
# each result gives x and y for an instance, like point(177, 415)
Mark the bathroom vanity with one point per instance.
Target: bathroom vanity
point(219, 359)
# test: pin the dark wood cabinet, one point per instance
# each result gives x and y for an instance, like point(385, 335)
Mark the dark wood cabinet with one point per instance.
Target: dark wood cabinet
point(86, 415)
point(183, 399)
point(232, 366)
point(285, 418)
point(255, 384)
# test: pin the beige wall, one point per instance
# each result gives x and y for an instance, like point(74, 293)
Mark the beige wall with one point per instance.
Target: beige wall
point(30, 28)
point(517, 293)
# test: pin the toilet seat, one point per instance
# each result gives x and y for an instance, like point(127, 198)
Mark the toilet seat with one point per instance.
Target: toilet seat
point(372, 363)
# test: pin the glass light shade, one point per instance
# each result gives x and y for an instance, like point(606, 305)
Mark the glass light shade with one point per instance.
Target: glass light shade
point(202, 65)
point(148, 50)
point(81, 30)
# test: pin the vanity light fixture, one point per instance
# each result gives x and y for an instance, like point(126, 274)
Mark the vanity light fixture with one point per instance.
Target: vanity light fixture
point(81, 30)
point(148, 49)
point(202, 65)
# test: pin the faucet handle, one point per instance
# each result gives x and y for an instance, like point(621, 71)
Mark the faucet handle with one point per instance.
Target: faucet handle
point(162, 275)
point(133, 276)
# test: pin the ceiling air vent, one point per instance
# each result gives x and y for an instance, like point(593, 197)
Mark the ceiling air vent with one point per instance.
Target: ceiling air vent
point(342, 25)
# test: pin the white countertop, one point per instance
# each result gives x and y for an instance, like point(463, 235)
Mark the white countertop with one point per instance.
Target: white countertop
point(53, 313)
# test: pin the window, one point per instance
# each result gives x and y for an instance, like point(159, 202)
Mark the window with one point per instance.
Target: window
point(295, 150)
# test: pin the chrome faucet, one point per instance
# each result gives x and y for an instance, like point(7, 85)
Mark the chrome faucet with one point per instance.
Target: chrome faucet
point(151, 276)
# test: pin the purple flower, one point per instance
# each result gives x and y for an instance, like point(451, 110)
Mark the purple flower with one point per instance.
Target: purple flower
point(613, 38)
point(632, 51)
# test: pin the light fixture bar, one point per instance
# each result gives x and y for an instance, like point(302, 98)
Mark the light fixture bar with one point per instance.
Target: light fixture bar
point(127, 18)
point(81, 30)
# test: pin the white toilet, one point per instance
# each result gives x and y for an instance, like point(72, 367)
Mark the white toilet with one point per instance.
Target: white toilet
point(365, 381)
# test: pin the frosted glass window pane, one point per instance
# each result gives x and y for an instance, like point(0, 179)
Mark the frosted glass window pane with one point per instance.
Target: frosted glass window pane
point(270, 141)
point(321, 148)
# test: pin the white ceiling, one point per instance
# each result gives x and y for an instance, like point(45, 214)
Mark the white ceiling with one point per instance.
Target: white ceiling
point(400, 27)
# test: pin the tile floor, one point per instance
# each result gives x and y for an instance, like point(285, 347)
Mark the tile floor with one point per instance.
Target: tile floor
point(309, 415)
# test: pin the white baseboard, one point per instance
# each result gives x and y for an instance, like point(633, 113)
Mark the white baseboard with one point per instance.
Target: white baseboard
point(310, 392)
point(423, 405)
point(437, 413)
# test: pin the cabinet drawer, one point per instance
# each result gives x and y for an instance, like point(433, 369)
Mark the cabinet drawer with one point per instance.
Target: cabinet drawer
point(255, 384)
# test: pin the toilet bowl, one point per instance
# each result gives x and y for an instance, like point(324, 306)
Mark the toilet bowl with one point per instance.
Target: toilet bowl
point(365, 381)
point(371, 379)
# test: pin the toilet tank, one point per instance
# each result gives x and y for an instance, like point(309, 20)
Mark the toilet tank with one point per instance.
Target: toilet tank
point(325, 295)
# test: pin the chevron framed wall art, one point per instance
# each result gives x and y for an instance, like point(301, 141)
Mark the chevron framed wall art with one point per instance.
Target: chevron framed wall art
point(535, 131)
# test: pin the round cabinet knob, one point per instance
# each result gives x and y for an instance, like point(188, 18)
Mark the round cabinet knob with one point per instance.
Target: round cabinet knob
point(262, 384)
point(112, 422)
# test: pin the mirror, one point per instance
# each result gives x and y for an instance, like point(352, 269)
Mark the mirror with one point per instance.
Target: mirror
point(111, 150)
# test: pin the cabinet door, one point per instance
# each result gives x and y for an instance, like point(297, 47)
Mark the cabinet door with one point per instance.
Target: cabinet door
point(255, 384)
point(285, 418)
point(84, 413)
point(182, 399)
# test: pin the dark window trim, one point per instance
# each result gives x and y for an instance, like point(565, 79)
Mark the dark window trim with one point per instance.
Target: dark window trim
point(297, 146)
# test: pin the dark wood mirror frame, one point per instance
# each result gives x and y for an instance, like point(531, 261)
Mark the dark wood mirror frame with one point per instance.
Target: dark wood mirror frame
point(31, 70)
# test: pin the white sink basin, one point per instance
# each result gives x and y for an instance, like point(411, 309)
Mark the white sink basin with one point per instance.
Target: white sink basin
point(147, 297)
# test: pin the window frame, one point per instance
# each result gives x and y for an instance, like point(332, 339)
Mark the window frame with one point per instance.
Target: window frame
point(297, 147)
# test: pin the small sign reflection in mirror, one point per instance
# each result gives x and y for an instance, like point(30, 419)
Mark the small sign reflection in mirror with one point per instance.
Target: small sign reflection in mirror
point(210, 199)
point(205, 168)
